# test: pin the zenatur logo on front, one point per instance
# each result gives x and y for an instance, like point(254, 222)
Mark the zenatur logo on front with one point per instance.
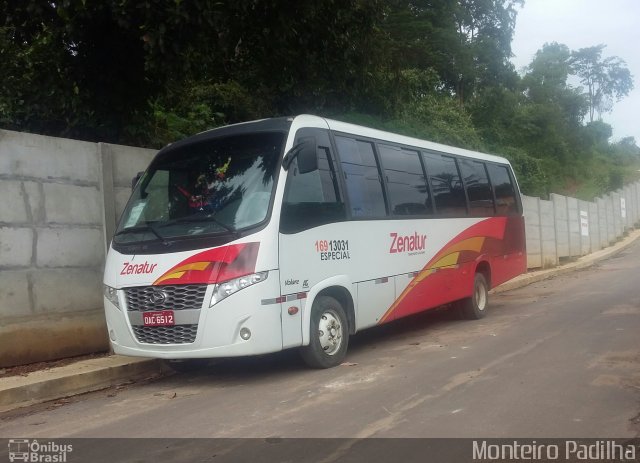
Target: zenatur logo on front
point(137, 269)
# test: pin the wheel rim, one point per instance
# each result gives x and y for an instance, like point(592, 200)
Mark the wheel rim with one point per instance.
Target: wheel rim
point(480, 297)
point(330, 332)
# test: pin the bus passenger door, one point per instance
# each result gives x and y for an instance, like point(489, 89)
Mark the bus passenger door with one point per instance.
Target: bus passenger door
point(312, 213)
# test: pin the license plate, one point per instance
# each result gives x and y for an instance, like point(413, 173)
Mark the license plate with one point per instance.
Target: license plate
point(162, 318)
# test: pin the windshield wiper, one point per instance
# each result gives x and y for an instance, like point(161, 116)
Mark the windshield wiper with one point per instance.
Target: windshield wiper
point(200, 218)
point(142, 228)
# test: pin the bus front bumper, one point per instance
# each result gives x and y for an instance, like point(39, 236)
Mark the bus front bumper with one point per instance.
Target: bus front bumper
point(231, 328)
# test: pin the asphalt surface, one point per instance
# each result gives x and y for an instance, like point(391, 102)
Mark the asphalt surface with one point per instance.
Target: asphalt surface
point(559, 358)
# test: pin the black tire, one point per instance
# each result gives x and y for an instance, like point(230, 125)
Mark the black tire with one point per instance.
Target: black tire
point(329, 333)
point(475, 307)
point(187, 365)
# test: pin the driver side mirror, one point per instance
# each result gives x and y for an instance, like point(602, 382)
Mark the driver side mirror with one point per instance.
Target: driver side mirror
point(306, 153)
point(136, 179)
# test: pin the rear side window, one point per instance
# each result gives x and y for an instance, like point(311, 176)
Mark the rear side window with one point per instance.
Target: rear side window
point(479, 191)
point(406, 184)
point(446, 185)
point(362, 177)
point(504, 189)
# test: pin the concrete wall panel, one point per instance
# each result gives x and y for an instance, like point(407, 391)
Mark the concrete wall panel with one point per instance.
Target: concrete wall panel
point(626, 221)
point(594, 228)
point(573, 217)
point(637, 195)
point(602, 222)
point(127, 162)
point(561, 224)
point(16, 209)
point(547, 234)
point(61, 247)
point(16, 247)
point(28, 155)
point(585, 240)
point(611, 226)
point(35, 201)
point(14, 294)
point(634, 202)
point(72, 204)
point(86, 290)
point(532, 231)
point(618, 226)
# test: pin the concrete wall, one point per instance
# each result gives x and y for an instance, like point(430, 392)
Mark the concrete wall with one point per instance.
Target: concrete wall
point(61, 201)
point(561, 223)
point(532, 230)
point(576, 228)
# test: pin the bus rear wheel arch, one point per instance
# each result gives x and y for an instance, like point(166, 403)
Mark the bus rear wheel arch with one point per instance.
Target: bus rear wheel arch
point(329, 334)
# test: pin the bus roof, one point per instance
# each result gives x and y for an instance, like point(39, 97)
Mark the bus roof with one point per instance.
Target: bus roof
point(284, 123)
point(280, 124)
point(368, 132)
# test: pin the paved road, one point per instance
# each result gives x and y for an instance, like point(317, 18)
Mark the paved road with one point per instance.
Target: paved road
point(559, 358)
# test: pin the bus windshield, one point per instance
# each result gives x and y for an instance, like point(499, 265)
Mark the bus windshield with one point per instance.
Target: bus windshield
point(216, 186)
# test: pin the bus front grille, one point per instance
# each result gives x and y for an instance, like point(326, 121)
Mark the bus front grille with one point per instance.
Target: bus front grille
point(177, 334)
point(169, 297)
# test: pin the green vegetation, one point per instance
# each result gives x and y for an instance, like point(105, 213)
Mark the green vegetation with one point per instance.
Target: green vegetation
point(147, 72)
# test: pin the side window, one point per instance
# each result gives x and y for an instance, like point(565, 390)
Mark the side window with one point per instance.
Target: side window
point(446, 185)
point(362, 177)
point(312, 199)
point(506, 203)
point(406, 184)
point(478, 189)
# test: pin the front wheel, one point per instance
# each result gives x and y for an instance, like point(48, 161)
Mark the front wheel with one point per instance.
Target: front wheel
point(329, 334)
point(475, 307)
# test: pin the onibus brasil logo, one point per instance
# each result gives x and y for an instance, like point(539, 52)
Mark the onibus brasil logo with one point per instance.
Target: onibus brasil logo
point(34, 451)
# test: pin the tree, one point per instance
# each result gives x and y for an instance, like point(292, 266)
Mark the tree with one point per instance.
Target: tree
point(628, 146)
point(102, 70)
point(485, 29)
point(84, 69)
point(545, 82)
point(548, 72)
point(604, 78)
point(466, 43)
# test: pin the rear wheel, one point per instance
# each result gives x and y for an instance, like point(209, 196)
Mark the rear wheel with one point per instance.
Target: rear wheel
point(475, 307)
point(329, 334)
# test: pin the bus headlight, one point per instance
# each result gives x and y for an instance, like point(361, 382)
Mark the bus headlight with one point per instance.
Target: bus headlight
point(226, 289)
point(111, 294)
